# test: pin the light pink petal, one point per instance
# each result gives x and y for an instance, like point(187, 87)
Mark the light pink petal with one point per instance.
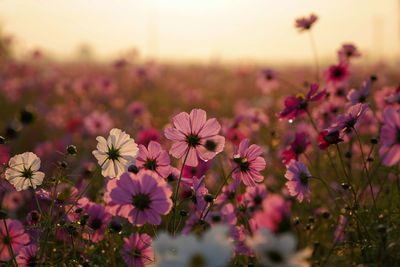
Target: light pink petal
point(182, 122)
point(198, 119)
point(179, 149)
point(174, 134)
point(210, 128)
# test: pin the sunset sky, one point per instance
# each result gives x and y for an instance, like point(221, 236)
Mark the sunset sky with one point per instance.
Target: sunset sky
point(202, 30)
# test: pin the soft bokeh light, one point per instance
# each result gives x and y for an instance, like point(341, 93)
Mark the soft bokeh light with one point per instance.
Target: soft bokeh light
point(189, 30)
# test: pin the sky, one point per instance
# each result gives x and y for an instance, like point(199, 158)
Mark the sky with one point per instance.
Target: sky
point(203, 30)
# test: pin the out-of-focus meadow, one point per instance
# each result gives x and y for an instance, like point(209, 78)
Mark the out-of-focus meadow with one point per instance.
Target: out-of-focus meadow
point(300, 167)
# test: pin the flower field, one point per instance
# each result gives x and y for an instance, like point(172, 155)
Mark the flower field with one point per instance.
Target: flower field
point(131, 163)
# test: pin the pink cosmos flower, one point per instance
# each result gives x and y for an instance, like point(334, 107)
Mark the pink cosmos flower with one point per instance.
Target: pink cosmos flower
point(390, 136)
point(298, 174)
point(248, 163)
point(4, 154)
point(145, 136)
point(17, 238)
point(153, 158)
point(348, 51)
point(267, 80)
point(296, 106)
point(98, 123)
point(197, 134)
point(275, 210)
point(142, 198)
point(304, 23)
point(296, 148)
point(336, 74)
point(228, 193)
point(235, 136)
point(137, 250)
point(28, 256)
point(98, 220)
point(254, 196)
point(360, 96)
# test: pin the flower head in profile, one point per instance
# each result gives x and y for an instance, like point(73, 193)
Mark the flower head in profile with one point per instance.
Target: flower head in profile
point(348, 121)
point(298, 175)
point(390, 136)
point(248, 163)
point(278, 250)
point(297, 106)
point(28, 256)
point(360, 96)
point(154, 158)
point(195, 135)
point(142, 198)
point(348, 51)
point(137, 250)
point(326, 139)
point(116, 153)
point(23, 171)
point(16, 238)
point(305, 23)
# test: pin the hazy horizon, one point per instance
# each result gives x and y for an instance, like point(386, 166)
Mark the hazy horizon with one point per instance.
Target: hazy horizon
point(184, 31)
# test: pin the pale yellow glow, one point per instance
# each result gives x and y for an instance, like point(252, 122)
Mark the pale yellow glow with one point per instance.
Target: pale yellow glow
point(258, 30)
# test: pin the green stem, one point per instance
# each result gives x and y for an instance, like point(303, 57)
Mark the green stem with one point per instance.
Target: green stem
point(177, 190)
point(10, 245)
point(218, 192)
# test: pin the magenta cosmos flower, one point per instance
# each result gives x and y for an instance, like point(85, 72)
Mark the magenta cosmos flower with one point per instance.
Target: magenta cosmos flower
point(337, 74)
point(142, 198)
point(197, 134)
point(153, 158)
point(137, 250)
point(267, 80)
point(296, 148)
point(248, 163)
point(296, 106)
point(17, 238)
point(305, 23)
point(390, 136)
point(28, 256)
point(298, 175)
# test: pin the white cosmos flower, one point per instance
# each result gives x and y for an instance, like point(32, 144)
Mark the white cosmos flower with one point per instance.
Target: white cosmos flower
point(22, 171)
point(278, 250)
point(116, 153)
point(213, 249)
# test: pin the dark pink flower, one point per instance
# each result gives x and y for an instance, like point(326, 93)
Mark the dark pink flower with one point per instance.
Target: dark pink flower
point(336, 74)
point(298, 175)
point(305, 23)
point(98, 123)
point(154, 158)
point(197, 134)
point(325, 139)
point(145, 136)
point(248, 163)
point(275, 210)
point(137, 250)
point(28, 256)
point(296, 148)
point(390, 137)
point(17, 238)
point(296, 106)
point(4, 154)
point(142, 198)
